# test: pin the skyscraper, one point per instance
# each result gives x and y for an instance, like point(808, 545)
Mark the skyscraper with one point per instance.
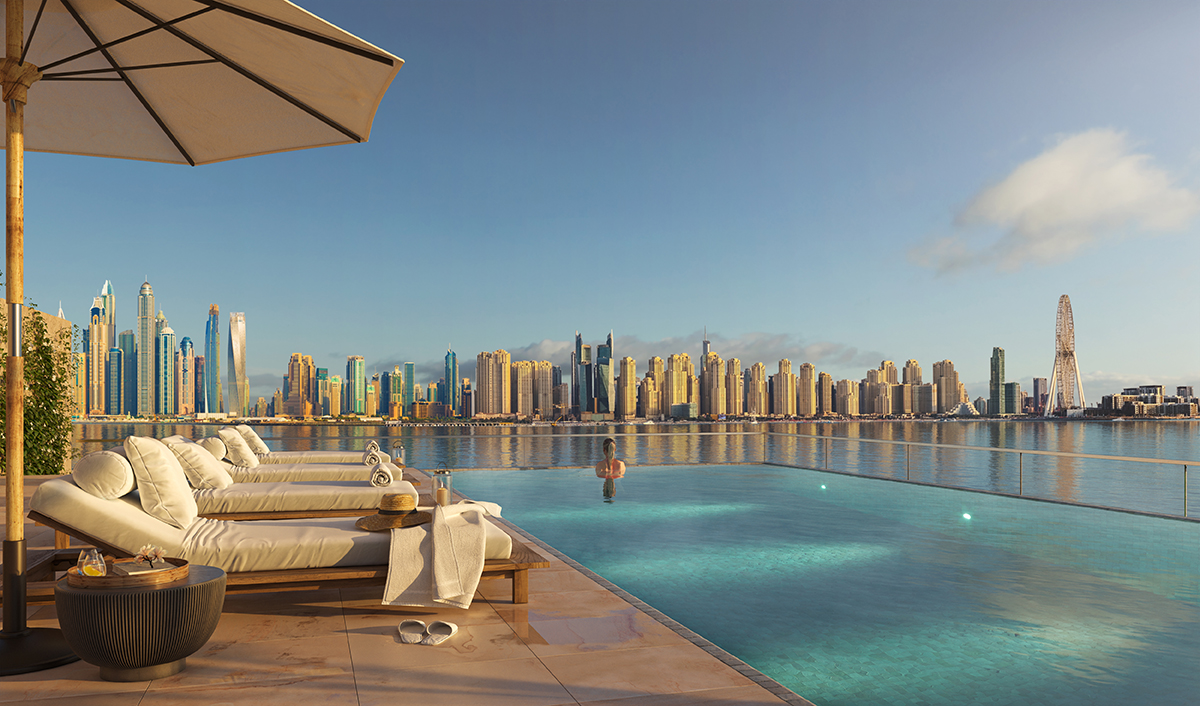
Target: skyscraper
point(127, 342)
point(213, 398)
point(785, 390)
point(627, 385)
point(356, 385)
point(185, 377)
point(712, 400)
point(108, 301)
point(198, 386)
point(912, 372)
point(239, 385)
point(164, 371)
point(806, 390)
point(298, 394)
point(734, 388)
point(454, 384)
point(946, 379)
point(604, 376)
point(521, 395)
point(888, 368)
point(1041, 390)
point(98, 345)
point(847, 398)
point(756, 391)
point(114, 385)
point(825, 403)
point(996, 406)
point(410, 384)
point(145, 351)
point(493, 391)
point(543, 389)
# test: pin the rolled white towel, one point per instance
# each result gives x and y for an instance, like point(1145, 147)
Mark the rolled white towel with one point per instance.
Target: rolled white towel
point(371, 457)
point(372, 445)
point(381, 475)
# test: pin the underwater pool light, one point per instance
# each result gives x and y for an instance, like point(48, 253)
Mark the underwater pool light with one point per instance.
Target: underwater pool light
point(966, 515)
point(822, 487)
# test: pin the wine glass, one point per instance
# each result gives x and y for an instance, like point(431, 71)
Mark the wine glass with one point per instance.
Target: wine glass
point(91, 563)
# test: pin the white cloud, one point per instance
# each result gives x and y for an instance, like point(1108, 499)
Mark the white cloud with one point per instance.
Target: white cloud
point(1086, 188)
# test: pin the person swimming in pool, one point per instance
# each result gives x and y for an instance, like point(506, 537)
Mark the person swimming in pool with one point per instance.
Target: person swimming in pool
point(610, 469)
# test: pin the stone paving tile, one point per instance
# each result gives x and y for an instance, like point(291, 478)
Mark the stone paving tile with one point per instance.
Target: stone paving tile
point(733, 696)
point(332, 691)
point(649, 670)
point(379, 649)
point(522, 682)
point(78, 679)
point(221, 662)
point(128, 698)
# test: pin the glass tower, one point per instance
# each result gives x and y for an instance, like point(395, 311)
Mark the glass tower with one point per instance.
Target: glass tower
point(604, 376)
point(453, 391)
point(145, 344)
point(996, 385)
point(127, 342)
point(114, 384)
point(356, 385)
point(213, 399)
point(410, 380)
point(164, 370)
point(239, 385)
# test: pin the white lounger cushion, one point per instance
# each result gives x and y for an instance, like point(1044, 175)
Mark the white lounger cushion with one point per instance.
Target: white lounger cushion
point(281, 497)
point(161, 483)
point(201, 469)
point(317, 457)
point(274, 473)
point(214, 445)
point(120, 522)
point(262, 545)
point(253, 440)
point(237, 451)
point(104, 474)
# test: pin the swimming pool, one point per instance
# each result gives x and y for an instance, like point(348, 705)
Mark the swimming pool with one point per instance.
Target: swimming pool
point(852, 590)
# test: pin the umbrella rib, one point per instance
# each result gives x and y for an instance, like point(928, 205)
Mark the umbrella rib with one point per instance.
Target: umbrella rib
point(145, 104)
point(126, 38)
point(32, 30)
point(337, 44)
point(246, 72)
point(71, 74)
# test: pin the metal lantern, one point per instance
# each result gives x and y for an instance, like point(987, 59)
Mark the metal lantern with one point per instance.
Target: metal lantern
point(443, 484)
point(398, 453)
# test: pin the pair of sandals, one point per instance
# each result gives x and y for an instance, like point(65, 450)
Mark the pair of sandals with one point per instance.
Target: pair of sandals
point(415, 631)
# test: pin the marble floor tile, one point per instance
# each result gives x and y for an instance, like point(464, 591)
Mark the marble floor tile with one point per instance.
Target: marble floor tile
point(78, 679)
point(651, 670)
point(246, 618)
point(369, 613)
point(734, 696)
point(376, 650)
point(127, 698)
point(326, 691)
point(542, 581)
point(522, 682)
point(232, 662)
point(557, 606)
point(619, 630)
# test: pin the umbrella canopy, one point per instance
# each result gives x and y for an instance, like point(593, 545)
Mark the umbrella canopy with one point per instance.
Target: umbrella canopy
point(196, 81)
point(182, 81)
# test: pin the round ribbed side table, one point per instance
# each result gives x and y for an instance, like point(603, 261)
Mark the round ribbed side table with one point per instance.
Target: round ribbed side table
point(142, 633)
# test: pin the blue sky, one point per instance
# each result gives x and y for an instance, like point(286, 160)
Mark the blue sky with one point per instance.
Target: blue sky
point(837, 183)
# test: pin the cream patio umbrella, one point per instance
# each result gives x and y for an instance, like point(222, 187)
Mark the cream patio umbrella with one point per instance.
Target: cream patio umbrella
point(186, 81)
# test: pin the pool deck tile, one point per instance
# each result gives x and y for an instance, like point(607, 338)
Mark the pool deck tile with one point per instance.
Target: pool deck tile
point(579, 640)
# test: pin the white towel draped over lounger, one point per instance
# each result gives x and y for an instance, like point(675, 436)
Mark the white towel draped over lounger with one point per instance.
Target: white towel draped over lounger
point(438, 563)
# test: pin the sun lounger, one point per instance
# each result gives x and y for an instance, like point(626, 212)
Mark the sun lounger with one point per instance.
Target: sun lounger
point(257, 555)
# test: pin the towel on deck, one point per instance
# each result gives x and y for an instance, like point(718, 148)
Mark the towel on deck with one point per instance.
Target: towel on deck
point(371, 457)
point(381, 476)
point(440, 563)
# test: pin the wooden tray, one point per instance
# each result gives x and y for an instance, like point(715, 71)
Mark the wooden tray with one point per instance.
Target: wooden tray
point(111, 580)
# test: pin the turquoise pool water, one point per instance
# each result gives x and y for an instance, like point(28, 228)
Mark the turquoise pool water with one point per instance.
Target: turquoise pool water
point(852, 590)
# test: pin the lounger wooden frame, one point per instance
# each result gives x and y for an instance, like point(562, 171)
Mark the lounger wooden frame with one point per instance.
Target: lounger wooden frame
point(41, 568)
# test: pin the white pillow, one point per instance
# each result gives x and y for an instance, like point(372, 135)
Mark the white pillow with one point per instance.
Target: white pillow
point(257, 445)
point(161, 482)
point(201, 469)
point(237, 451)
point(213, 445)
point(104, 474)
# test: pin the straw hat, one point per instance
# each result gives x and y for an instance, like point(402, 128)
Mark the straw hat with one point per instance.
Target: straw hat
point(395, 510)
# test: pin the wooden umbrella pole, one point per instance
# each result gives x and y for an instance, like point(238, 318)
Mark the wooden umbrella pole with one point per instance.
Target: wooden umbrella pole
point(14, 424)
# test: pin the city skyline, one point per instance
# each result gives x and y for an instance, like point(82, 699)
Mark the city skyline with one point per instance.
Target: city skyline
point(944, 155)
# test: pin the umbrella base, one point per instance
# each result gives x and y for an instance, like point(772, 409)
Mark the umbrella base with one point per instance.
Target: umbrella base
point(33, 650)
